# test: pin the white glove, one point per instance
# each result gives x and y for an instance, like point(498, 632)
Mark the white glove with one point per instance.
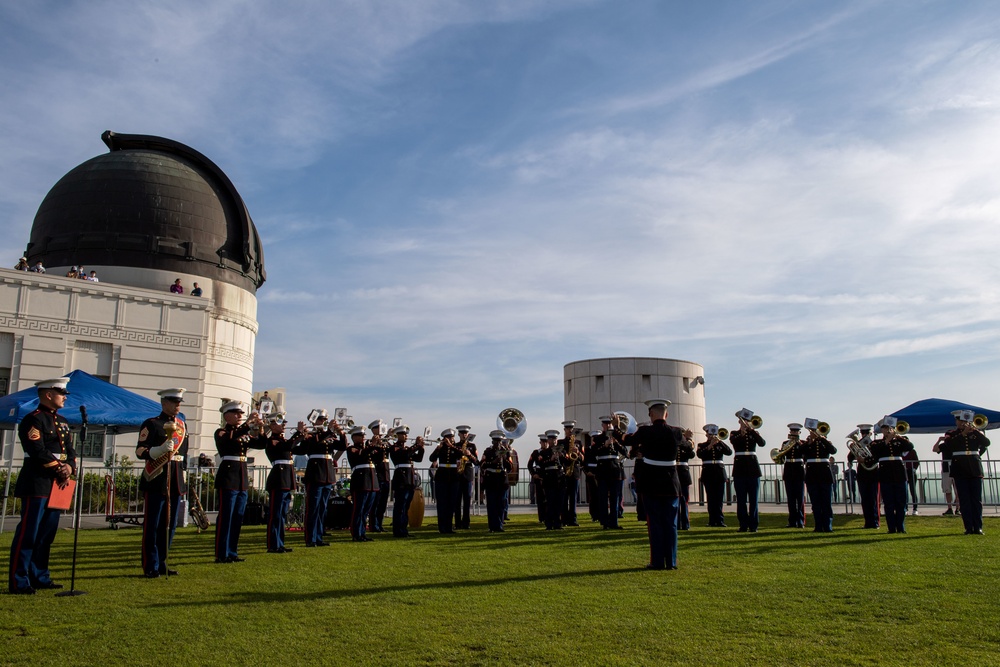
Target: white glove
point(160, 450)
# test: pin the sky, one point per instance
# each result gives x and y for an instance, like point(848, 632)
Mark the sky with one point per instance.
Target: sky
point(456, 199)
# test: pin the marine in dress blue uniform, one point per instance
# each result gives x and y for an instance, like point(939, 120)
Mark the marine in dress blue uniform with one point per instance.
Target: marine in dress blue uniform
point(535, 477)
point(376, 517)
point(404, 478)
point(231, 481)
point(590, 475)
point(163, 445)
point(571, 441)
point(656, 447)
point(685, 452)
point(609, 452)
point(816, 451)
point(323, 445)
point(746, 471)
point(280, 482)
point(49, 458)
point(552, 463)
point(868, 487)
point(466, 478)
point(888, 451)
point(713, 473)
point(446, 480)
point(793, 474)
point(495, 466)
point(966, 445)
point(363, 457)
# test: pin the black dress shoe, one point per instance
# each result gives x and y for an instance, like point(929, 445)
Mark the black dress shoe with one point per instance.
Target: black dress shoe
point(152, 575)
point(236, 559)
point(286, 549)
point(367, 539)
point(49, 586)
point(310, 544)
point(655, 567)
point(322, 544)
point(222, 560)
point(275, 551)
point(23, 591)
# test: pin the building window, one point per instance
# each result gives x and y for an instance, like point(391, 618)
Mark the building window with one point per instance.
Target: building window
point(600, 384)
point(92, 447)
point(569, 387)
point(647, 384)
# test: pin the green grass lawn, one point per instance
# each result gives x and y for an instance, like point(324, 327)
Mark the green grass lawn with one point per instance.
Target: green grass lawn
point(578, 596)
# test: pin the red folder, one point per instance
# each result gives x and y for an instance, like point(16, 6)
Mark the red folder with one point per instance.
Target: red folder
point(62, 497)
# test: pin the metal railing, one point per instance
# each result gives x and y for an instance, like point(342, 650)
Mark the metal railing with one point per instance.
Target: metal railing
point(127, 499)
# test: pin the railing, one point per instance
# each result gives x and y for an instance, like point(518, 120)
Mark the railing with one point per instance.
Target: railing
point(127, 499)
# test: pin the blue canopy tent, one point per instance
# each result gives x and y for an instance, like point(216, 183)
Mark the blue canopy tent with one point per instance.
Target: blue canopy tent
point(933, 415)
point(108, 405)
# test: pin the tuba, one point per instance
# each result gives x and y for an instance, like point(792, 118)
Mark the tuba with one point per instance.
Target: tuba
point(512, 422)
point(623, 422)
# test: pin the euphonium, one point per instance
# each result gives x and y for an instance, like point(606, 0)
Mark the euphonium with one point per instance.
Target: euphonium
point(859, 447)
point(778, 455)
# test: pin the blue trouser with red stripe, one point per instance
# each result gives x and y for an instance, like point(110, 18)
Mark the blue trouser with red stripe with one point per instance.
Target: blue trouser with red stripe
point(363, 502)
point(156, 540)
point(661, 524)
point(29, 551)
point(280, 501)
point(232, 505)
point(317, 500)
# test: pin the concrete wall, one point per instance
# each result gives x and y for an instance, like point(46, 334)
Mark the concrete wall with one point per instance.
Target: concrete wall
point(141, 338)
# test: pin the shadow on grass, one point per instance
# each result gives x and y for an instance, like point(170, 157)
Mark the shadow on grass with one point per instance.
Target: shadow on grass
point(276, 597)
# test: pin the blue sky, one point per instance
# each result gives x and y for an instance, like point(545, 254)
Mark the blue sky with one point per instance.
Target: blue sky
point(458, 198)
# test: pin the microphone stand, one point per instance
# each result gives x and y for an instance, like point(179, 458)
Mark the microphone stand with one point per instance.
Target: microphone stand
point(72, 592)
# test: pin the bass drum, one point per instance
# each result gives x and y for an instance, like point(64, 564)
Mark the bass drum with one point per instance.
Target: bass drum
point(416, 513)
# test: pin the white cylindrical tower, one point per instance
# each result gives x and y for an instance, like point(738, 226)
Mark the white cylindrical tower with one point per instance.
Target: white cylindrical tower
point(595, 387)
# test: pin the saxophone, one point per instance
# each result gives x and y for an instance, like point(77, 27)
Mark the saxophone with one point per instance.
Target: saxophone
point(464, 461)
point(574, 456)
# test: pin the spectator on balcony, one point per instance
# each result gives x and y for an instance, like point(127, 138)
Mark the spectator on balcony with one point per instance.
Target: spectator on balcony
point(196, 291)
point(37, 268)
point(177, 288)
point(22, 264)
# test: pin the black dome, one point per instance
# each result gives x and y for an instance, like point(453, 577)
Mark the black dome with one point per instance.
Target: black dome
point(150, 203)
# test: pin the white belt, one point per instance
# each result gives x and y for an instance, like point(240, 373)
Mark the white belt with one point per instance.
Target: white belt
point(234, 458)
point(320, 456)
point(606, 457)
point(282, 462)
point(890, 458)
point(717, 462)
point(404, 465)
point(591, 465)
point(362, 465)
point(551, 468)
point(665, 464)
point(794, 460)
point(965, 453)
point(176, 457)
point(447, 465)
point(817, 460)
point(745, 454)
point(491, 470)
point(682, 463)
